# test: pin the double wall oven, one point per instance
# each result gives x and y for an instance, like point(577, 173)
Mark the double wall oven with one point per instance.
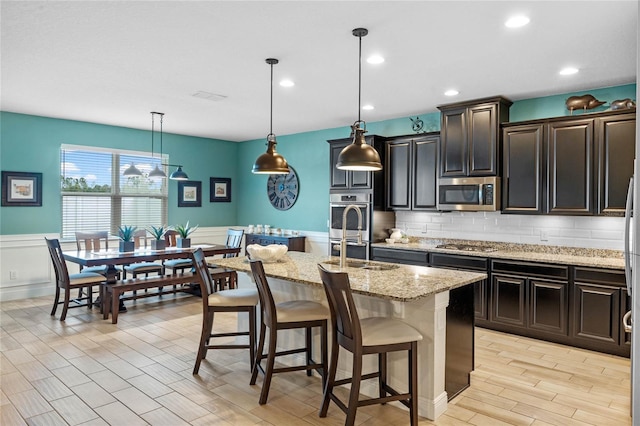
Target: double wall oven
point(375, 224)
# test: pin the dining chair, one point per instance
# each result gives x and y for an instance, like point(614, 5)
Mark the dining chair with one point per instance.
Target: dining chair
point(140, 239)
point(93, 241)
point(175, 265)
point(234, 300)
point(226, 278)
point(375, 335)
point(66, 281)
point(293, 314)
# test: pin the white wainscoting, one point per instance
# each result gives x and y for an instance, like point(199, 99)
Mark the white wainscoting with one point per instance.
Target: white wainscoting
point(26, 257)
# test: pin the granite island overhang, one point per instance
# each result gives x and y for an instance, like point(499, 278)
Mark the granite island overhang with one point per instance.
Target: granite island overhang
point(420, 296)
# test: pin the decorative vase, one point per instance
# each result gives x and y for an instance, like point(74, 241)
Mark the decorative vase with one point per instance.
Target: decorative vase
point(158, 244)
point(183, 242)
point(126, 246)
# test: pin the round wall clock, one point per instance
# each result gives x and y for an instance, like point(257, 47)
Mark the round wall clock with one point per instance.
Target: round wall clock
point(283, 190)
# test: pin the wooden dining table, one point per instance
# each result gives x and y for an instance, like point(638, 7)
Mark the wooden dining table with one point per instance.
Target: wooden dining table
point(112, 258)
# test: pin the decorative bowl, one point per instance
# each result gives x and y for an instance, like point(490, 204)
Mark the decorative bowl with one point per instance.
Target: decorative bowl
point(267, 254)
point(390, 240)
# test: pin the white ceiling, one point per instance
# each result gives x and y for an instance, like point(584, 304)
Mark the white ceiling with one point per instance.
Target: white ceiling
point(113, 62)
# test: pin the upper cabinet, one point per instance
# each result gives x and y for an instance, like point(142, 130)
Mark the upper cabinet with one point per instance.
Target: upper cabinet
point(411, 168)
point(470, 137)
point(343, 180)
point(570, 165)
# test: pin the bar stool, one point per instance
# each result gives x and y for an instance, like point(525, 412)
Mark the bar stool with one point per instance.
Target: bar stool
point(236, 300)
point(285, 316)
point(375, 335)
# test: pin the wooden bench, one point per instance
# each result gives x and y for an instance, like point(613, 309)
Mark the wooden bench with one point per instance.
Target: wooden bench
point(110, 293)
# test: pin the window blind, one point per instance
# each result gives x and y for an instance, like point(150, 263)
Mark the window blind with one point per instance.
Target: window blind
point(97, 197)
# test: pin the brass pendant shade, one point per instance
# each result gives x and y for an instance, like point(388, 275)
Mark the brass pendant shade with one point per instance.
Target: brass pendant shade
point(271, 162)
point(359, 156)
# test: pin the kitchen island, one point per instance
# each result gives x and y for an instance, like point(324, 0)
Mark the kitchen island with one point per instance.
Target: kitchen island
point(417, 295)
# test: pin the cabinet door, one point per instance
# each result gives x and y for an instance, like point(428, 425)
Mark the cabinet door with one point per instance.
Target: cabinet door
point(615, 147)
point(480, 299)
point(549, 305)
point(483, 137)
point(523, 169)
point(338, 177)
point(570, 174)
point(425, 173)
point(508, 297)
point(399, 174)
point(597, 313)
point(454, 158)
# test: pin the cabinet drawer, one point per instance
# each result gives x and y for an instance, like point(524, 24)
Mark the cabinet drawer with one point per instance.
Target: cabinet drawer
point(530, 269)
point(600, 276)
point(442, 260)
point(409, 257)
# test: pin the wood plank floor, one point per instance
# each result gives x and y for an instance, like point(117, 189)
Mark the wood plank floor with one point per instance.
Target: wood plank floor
point(88, 371)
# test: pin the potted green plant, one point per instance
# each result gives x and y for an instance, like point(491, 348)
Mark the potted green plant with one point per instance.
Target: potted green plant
point(125, 233)
point(184, 231)
point(158, 242)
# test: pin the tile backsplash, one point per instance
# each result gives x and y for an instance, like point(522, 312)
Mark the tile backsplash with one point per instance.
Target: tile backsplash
point(570, 231)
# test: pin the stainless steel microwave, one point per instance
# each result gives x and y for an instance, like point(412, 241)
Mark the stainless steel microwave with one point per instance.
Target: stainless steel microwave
point(469, 194)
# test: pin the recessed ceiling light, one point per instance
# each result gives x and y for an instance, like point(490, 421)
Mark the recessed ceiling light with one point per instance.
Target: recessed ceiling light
point(451, 92)
point(516, 21)
point(375, 59)
point(568, 71)
point(287, 83)
point(367, 107)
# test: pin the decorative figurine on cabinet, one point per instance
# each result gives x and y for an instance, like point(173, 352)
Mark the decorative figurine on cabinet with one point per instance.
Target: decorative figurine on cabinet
point(584, 102)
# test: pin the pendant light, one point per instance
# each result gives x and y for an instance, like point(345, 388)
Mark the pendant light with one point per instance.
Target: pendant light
point(271, 162)
point(131, 171)
point(359, 155)
point(156, 172)
point(178, 174)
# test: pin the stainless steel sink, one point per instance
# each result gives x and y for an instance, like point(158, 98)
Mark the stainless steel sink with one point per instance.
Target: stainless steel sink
point(364, 265)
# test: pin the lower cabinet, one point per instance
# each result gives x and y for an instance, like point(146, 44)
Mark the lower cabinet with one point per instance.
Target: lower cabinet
point(467, 263)
point(600, 300)
point(406, 257)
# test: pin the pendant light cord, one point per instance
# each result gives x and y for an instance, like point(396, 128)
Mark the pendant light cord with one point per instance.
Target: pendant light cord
point(271, 104)
point(359, 75)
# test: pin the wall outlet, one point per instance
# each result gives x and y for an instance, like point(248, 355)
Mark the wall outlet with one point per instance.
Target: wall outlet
point(544, 236)
point(13, 275)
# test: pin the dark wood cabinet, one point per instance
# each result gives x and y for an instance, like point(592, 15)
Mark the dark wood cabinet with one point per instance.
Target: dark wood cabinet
point(530, 298)
point(467, 263)
point(599, 301)
point(343, 179)
point(406, 257)
point(569, 165)
point(522, 182)
point(292, 243)
point(471, 137)
point(412, 172)
point(615, 148)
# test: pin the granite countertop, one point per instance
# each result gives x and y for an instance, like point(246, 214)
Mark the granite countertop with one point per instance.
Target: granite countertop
point(597, 258)
point(402, 283)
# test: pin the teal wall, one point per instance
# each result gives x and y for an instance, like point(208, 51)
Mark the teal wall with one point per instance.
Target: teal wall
point(554, 106)
point(30, 143)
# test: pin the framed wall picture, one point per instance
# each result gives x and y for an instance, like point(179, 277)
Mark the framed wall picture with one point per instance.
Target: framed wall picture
point(219, 189)
point(21, 189)
point(189, 193)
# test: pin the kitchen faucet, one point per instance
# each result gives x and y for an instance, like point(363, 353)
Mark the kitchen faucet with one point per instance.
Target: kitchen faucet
point(343, 242)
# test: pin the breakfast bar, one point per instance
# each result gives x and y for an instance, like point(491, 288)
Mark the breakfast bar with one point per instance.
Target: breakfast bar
point(419, 296)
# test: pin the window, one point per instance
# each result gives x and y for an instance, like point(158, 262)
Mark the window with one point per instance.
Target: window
point(97, 197)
